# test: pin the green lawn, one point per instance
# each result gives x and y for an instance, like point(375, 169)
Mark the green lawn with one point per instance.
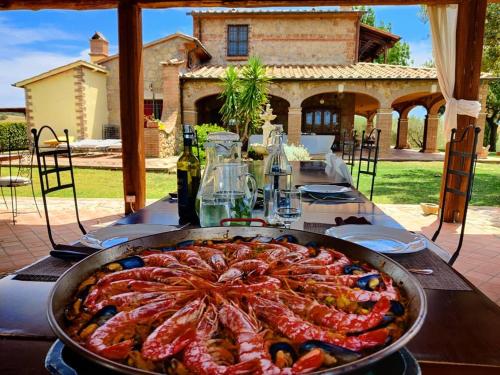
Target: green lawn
point(396, 182)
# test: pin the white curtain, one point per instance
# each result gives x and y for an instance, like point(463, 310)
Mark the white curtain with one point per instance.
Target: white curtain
point(443, 21)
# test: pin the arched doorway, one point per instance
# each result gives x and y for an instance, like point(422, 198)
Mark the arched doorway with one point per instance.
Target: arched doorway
point(208, 108)
point(325, 114)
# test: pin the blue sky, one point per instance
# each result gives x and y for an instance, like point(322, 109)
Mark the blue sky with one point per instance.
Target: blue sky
point(34, 42)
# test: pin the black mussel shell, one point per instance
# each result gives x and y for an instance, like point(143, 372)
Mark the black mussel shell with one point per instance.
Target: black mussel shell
point(282, 346)
point(82, 294)
point(131, 262)
point(350, 268)
point(311, 244)
point(185, 243)
point(287, 238)
point(397, 308)
point(104, 314)
point(264, 239)
point(342, 354)
point(369, 282)
point(167, 248)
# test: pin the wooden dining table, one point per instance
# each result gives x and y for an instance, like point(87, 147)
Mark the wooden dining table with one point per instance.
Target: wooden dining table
point(460, 335)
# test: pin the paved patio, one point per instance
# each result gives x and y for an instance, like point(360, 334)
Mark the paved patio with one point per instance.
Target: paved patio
point(27, 241)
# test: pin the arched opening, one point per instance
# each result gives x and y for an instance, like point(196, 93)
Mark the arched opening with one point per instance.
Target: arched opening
point(417, 127)
point(395, 128)
point(207, 109)
point(280, 108)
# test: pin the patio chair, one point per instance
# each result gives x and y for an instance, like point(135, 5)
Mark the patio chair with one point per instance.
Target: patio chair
point(456, 179)
point(19, 155)
point(369, 154)
point(55, 178)
point(348, 148)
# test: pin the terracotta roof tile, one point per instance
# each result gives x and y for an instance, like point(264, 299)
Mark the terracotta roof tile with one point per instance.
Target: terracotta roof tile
point(326, 72)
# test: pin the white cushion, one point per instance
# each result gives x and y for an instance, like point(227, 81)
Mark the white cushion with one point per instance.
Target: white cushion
point(14, 181)
point(317, 144)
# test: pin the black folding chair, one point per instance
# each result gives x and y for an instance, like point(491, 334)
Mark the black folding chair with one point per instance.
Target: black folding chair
point(19, 154)
point(452, 185)
point(369, 154)
point(349, 148)
point(55, 178)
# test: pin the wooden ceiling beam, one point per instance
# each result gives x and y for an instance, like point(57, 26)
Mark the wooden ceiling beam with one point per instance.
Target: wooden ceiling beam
point(106, 4)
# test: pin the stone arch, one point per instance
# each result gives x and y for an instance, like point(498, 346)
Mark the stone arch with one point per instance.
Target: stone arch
point(280, 108)
point(334, 88)
point(434, 108)
point(207, 109)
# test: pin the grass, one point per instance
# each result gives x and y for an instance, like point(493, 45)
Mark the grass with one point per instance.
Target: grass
point(396, 182)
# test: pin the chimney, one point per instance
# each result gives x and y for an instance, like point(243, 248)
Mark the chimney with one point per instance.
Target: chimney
point(344, 8)
point(99, 47)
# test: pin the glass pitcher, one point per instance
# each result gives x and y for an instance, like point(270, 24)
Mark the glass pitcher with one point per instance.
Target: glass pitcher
point(233, 196)
point(220, 148)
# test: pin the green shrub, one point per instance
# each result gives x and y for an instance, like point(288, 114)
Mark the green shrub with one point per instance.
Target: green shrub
point(202, 131)
point(17, 132)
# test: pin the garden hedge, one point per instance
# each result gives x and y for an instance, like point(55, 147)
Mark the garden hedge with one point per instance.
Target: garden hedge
point(17, 131)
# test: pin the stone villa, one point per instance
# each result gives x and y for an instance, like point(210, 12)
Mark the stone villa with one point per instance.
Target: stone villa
point(320, 62)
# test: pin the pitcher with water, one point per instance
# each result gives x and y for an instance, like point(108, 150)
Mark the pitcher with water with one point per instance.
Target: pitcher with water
point(233, 196)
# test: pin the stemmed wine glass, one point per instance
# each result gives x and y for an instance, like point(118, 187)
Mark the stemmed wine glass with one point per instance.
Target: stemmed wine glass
point(288, 206)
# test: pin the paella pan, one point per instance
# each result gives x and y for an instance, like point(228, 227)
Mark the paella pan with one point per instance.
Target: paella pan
point(236, 300)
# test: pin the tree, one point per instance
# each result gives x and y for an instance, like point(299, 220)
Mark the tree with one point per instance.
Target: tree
point(491, 63)
point(231, 88)
point(244, 96)
point(399, 54)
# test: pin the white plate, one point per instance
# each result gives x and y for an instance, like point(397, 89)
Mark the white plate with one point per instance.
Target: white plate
point(117, 234)
point(380, 239)
point(325, 189)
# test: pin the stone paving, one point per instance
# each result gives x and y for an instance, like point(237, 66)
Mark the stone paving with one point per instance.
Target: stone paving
point(27, 241)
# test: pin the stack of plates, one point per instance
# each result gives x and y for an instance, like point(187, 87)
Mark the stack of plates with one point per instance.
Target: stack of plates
point(325, 189)
point(381, 239)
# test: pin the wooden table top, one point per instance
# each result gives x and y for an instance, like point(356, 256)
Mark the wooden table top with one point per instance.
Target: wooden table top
point(460, 334)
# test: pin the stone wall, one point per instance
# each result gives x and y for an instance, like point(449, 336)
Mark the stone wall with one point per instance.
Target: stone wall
point(284, 39)
point(153, 55)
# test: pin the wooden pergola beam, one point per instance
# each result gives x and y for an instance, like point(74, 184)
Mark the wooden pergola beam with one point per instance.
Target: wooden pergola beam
point(469, 47)
point(107, 4)
point(132, 104)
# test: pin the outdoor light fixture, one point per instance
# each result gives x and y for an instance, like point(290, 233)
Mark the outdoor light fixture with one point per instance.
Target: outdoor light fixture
point(322, 101)
point(341, 88)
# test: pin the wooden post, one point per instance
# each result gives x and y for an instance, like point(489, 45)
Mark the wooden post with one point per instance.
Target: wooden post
point(470, 33)
point(132, 103)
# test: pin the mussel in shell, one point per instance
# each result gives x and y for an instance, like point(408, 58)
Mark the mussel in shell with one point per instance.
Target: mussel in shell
point(352, 269)
point(125, 263)
point(282, 354)
point(369, 282)
point(287, 238)
point(341, 354)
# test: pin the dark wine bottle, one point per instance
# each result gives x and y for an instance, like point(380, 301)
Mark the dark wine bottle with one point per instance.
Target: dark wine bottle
point(188, 179)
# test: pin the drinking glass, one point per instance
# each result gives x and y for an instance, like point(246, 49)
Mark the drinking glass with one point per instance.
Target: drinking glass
point(287, 206)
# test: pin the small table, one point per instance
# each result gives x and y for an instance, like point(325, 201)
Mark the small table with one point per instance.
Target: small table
point(460, 335)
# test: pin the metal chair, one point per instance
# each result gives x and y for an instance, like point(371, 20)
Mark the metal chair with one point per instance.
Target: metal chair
point(19, 153)
point(348, 148)
point(50, 173)
point(454, 179)
point(369, 154)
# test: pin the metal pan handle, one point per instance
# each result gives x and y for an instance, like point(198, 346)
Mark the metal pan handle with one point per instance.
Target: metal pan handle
point(68, 252)
point(243, 220)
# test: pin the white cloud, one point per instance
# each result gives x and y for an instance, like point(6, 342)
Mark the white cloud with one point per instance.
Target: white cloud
point(20, 60)
point(421, 51)
point(13, 35)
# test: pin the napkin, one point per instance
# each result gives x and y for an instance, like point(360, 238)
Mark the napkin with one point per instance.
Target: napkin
point(335, 167)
